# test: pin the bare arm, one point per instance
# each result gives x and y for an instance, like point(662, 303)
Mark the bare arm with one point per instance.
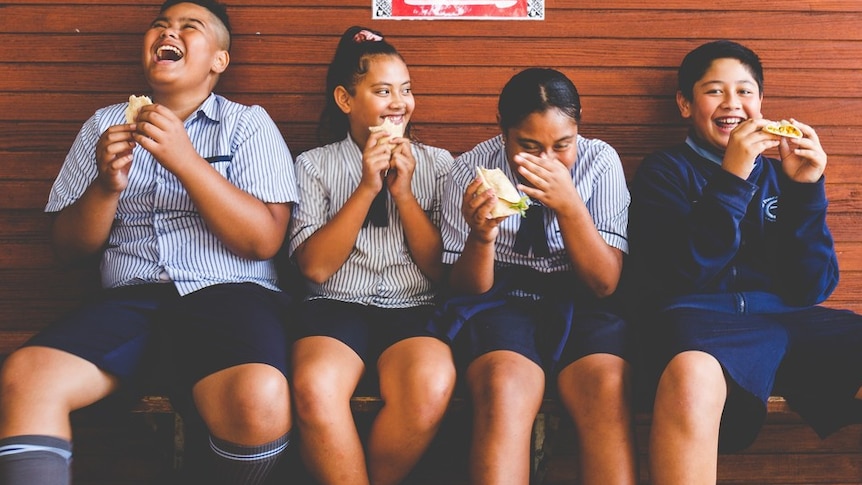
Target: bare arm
point(249, 227)
point(81, 229)
point(473, 273)
point(325, 251)
point(597, 264)
point(423, 237)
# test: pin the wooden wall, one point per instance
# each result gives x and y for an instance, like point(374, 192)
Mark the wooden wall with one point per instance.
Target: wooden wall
point(61, 60)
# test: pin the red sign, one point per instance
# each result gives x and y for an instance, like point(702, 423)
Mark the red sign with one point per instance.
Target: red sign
point(456, 9)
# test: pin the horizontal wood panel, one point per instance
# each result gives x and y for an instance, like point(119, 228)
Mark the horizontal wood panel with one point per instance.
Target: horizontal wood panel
point(644, 23)
point(287, 79)
point(777, 469)
point(598, 109)
point(801, 5)
point(316, 50)
point(744, 5)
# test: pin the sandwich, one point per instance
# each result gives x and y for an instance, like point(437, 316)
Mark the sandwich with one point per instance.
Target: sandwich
point(509, 201)
point(395, 131)
point(135, 105)
point(783, 128)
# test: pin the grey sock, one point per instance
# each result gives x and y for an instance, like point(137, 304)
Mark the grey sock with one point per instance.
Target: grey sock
point(32, 459)
point(246, 465)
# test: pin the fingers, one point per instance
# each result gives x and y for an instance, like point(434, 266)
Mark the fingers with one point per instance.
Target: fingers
point(477, 207)
point(116, 141)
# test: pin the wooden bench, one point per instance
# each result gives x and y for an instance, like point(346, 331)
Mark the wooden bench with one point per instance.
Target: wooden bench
point(64, 59)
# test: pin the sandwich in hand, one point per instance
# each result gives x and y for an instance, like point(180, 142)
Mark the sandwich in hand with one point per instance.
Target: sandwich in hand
point(783, 128)
point(135, 105)
point(509, 201)
point(395, 131)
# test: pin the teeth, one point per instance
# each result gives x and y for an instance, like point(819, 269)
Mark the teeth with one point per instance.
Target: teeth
point(175, 53)
point(729, 121)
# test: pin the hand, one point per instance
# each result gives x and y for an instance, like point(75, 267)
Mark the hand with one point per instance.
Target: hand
point(476, 209)
point(402, 166)
point(375, 162)
point(803, 159)
point(548, 181)
point(114, 157)
point(162, 134)
point(746, 142)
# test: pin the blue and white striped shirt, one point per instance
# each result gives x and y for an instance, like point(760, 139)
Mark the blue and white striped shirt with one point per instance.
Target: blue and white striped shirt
point(157, 231)
point(598, 177)
point(380, 270)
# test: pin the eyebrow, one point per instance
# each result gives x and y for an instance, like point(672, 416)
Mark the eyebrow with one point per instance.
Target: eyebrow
point(163, 18)
point(716, 81)
point(530, 140)
point(384, 83)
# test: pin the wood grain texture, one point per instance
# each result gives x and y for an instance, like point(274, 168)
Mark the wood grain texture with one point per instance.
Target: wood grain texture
point(62, 60)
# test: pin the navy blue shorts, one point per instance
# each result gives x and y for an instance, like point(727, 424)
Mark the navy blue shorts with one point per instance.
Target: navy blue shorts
point(812, 357)
point(129, 331)
point(521, 326)
point(367, 330)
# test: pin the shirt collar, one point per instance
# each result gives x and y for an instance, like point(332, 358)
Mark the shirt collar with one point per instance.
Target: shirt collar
point(703, 151)
point(209, 108)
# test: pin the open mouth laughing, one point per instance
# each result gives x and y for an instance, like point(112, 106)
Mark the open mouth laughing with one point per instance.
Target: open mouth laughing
point(168, 53)
point(728, 123)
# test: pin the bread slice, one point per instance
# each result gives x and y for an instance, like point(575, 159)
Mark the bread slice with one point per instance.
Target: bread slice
point(135, 105)
point(509, 200)
point(395, 131)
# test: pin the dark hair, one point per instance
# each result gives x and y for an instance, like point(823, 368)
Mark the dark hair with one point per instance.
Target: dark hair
point(216, 8)
point(348, 66)
point(536, 90)
point(697, 62)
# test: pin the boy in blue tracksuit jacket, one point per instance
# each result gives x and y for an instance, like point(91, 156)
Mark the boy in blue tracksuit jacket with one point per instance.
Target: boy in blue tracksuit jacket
point(730, 257)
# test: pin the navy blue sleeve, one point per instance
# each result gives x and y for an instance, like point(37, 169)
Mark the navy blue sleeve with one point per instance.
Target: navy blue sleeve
point(808, 266)
point(684, 225)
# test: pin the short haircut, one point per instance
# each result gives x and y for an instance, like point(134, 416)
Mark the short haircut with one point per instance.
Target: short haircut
point(217, 9)
point(697, 62)
point(536, 90)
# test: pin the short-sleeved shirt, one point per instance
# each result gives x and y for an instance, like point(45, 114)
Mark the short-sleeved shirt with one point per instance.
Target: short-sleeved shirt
point(598, 177)
point(380, 270)
point(158, 232)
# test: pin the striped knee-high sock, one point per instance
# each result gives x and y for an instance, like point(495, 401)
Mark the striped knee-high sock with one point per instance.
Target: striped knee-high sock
point(245, 465)
point(32, 459)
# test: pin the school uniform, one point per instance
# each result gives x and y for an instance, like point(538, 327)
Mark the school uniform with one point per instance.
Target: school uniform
point(379, 281)
point(164, 272)
point(552, 318)
point(736, 268)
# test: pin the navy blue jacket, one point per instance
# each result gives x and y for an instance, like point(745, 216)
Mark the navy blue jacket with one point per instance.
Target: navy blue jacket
point(702, 237)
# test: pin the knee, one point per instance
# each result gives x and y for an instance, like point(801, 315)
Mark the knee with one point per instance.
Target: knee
point(427, 395)
point(255, 400)
point(15, 372)
point(598, 378)
point(694, 383)
point(509, 385)
point(317, 395)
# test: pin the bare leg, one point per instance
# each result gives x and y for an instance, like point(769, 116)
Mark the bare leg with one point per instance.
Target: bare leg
point(248, 404)
point(507, 391)
point(325, 374)
point(688, 406)
point(40, 386)
point(417, 377)
point(595, 391)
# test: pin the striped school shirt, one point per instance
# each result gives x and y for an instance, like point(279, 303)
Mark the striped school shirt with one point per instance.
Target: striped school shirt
point(158, 234)
point(380, 270)
point(598, 177)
